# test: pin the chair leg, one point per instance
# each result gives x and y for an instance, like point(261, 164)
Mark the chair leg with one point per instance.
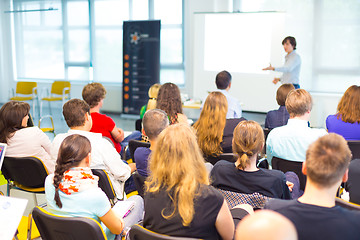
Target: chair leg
point(8, 189)
point(35, 200)
point(50, 108)
point(29, 227)
point(41, 104)
point(33, 107)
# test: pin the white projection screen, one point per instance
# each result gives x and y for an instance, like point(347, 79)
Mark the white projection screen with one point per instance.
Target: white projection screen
point(243, 44)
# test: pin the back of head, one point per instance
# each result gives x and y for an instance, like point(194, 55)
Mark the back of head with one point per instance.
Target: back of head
point(248, 140)
point(73, 149)
point(282, 93)
point(291, 40)
point(265, 225)
point(177, 166)
point(349, 105)
point(153, 93)
point(11, 116)
point(211, 124)
point(93, 93)
point(74, 112)
point(298, 102)
point(327, 160)
point(154, 121)
point(223, 79)
point(169, 100)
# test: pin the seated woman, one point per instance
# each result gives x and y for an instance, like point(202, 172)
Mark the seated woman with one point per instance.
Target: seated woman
point(178, 198)
point(280, 117)
point(94, 95)
point(153, 93)
point(214, 131)
point(73, 190)
point(244, 176)
point(169, 100)
point(23, 141)
point(346, 122)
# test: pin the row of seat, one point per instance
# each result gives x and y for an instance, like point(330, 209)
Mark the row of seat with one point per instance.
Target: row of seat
point(28, 91)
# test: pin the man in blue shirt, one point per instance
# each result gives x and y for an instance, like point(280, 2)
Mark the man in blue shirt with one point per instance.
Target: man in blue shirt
point(291, 68)
point(223, 84)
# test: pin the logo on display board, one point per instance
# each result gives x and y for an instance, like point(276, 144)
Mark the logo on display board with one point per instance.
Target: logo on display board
point(136, 37)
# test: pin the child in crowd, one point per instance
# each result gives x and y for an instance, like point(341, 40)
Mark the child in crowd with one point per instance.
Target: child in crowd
point(154, 122)
point(94, 95)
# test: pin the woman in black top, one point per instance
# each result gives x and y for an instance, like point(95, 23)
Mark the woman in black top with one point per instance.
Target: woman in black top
point(244, 176)
point(178, 198)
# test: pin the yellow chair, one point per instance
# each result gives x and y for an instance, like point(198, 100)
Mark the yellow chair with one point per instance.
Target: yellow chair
point(60, 91)
point(50, 129)
point(26, 91)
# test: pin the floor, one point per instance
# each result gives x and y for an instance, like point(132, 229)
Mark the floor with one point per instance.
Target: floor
point(125, 122)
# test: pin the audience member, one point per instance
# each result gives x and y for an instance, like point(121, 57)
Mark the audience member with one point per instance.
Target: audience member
point(291, 141)
point(265, 225)
point(353, 183)
point(69, 193)
point(346, 121)
point(94, 95)
point(104, 156)
point(178, 198)
point(23, 141)
point(244, 176)
point(214, 131)
point(280, 117)
point(314, 214)
point(223, 84)
point(153, 93)
point(169, 100)
point(154, 121)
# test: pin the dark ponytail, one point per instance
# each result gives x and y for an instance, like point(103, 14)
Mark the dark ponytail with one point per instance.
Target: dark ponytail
point(72, 151)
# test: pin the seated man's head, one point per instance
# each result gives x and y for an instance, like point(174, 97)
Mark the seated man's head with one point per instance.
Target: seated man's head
point(77, 114)
point(265, 224)
point(299, 103)
point(93, 94)
point(223, 80)
point(154, 121)
point(327, 161)
point(283, 92)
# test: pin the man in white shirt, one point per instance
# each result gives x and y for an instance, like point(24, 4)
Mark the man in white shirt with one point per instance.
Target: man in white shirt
point(291, 141)
point(223, 84)
point(104, 156)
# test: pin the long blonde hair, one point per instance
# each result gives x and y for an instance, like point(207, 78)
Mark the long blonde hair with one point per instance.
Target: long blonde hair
point(153, 93)
point(177, 166)
point(211, 124)
point(248, 140)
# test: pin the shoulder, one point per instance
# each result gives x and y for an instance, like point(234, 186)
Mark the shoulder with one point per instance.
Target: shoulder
point(223, 163)
point(273, 173)
point(101, 117)
point(142, 150)
point(209, 193)
point(279, 204)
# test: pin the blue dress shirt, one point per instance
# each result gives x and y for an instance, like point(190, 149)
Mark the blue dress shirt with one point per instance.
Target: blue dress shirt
point(291, 68)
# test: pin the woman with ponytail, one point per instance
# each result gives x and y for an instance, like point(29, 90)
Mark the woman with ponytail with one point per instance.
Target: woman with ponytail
point(178, 198)
point(244, 176)
point(73, 190)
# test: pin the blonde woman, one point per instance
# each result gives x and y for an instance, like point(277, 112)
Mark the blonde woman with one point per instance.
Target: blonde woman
point(213, 130)
point(153, 93)
point(178, 198)
point(244, 176)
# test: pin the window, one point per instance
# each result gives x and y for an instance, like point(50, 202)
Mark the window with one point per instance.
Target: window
point(81, 40)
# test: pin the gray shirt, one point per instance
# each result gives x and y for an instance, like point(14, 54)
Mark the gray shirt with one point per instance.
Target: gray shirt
point(291, 68)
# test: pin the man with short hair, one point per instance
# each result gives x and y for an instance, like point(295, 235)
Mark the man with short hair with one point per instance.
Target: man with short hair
point(154, 121)
point(314, 214)
point(291, 141)
point(223, 84)
point(103, 155)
